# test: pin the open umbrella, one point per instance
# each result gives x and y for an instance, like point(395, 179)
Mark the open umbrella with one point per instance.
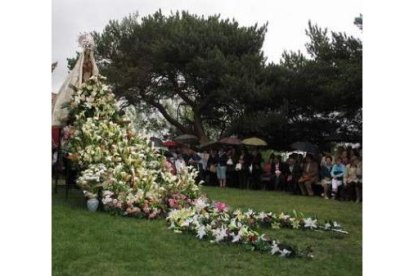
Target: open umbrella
point(186, 139)
point(170, 144)
point(305, 146)
point(254, 141)
point(232, 140)
point(209, 145)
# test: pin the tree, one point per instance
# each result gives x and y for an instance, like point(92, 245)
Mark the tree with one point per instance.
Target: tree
point(204, 65)
point(316, 98)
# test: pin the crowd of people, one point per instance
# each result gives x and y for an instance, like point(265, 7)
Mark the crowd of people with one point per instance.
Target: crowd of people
point(331, 176)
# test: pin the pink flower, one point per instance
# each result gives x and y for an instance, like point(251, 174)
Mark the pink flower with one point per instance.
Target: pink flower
point(172, 202)
point(221, 206)
point(152, 215)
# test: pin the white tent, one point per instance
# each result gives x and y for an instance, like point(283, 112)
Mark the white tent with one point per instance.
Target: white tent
point(85, 67)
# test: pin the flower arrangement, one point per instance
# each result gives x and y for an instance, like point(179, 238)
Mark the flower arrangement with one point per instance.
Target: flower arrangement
point(215, 221)
point(114, 158)
point(134, 180)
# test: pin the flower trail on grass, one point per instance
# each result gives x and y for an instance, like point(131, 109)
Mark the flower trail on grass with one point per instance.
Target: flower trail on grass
point(215, 221)
point(122, 168)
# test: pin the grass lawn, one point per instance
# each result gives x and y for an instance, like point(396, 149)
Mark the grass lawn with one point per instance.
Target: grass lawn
point(87, 243)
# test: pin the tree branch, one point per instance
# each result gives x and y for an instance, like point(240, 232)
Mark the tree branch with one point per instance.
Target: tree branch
point(166, 115)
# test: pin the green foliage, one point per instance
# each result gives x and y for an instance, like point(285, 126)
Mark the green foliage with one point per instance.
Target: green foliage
point(72, 61)
point(207, 76)
point(206, 63)
point(316, 99)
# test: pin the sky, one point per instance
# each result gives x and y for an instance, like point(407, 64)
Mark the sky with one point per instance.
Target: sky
point(287, 21)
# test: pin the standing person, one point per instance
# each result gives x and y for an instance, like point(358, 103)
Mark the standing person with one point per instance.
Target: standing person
point(242, 170)
point(231, 165)
point(256, 168)
point(279, 170)
point(337, 174)
point(221, 167)
point(326, 178)
point(212, 167)
point(293, 174)
point(204, 161)
point(196, 162)
point(309, 176)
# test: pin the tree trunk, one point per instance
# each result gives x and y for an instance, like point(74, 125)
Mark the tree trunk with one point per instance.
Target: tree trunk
point(199, 130)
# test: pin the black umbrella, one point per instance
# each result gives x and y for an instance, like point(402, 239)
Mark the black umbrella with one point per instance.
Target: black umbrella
point(305, 146)
point(209, 145)
point(232, 140)
point(186, 139)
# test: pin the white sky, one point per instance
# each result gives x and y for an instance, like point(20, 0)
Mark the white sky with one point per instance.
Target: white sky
point(286, 30)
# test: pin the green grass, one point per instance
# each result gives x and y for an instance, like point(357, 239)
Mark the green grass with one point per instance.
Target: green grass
point(87, 243)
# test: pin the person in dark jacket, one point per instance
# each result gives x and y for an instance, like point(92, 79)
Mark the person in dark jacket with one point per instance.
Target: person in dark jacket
point(256, 168)
point(211, 168)
point(221, 160)
point(294, 172)
point(242, 169)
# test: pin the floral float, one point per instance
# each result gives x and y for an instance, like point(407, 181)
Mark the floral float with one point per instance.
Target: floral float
point(121, 168)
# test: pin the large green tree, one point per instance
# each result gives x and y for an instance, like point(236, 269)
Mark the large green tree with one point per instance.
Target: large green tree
point(317, 97)
point(200, 65)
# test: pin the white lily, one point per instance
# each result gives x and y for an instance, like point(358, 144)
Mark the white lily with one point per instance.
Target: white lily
point(262, 215)
point(284, 253)
point(310, 223)
point(201, 232)
point(275, 248)
point(236, 238)
point(200, 204)
point(220, 233)
point(249, 212)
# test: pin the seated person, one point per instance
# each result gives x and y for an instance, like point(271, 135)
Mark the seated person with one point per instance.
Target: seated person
point(310, 175)
point(352, 179)
point(337, 174)
point(267, 176)
point(326, 178)
point(279, 171)
point(293, 173)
